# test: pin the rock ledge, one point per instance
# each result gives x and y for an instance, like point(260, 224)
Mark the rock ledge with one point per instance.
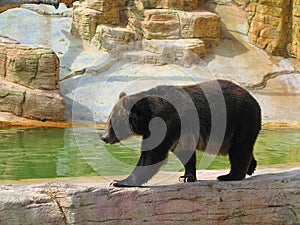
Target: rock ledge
point(262, 199)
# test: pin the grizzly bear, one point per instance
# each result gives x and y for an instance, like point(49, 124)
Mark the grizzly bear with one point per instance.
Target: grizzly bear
point(217, 117)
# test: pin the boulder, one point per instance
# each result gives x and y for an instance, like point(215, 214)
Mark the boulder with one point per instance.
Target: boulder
point(201, 24)
point(90, 14)
point(85, 21)
point(107, 37)
point(184, 52)
point(31, 103)
point(11, 97)
point(47, 105)
point(160, 24)
point(158, 46)
point(175, 24)
point(29, 81)
point(32, 67)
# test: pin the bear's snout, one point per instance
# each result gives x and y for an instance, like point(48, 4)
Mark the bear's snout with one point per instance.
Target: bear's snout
point(104, 138)
point(109, 139)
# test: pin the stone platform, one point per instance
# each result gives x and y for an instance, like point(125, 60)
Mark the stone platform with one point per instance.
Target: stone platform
point(263, 199)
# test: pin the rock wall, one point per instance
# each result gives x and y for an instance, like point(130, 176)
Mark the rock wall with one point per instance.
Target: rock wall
point(293, 46)
point(29, 79)
point(109, 24)
point(265, 199)
point(274, 25)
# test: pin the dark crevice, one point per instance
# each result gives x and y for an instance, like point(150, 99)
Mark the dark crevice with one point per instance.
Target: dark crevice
point(268, 77)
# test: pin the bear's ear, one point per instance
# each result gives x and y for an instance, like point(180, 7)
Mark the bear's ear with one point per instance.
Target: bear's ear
point(122, 94)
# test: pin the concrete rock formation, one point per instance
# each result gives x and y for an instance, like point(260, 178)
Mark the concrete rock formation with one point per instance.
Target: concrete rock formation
point(274, 25)
point(109, 24)
point(29, 79)
point(264, 199)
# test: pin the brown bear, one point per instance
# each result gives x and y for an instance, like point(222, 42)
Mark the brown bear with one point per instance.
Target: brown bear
point(218, 117)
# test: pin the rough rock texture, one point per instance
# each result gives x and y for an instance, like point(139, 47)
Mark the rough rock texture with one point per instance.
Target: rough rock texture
point(174, 24)
point(29, 81)
point(108, 38)
point(44, 105)
point(201, 24)
point(108, 24)
point(168, 4)
point(93, 79)
point(160, 24)
point(265, 199)
point(29, 66)
point(293, 45)
point(11, 97)
point(274, 26)
point(182, 51)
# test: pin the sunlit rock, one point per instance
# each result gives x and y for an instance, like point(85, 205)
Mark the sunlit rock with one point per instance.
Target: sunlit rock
point(30, 81)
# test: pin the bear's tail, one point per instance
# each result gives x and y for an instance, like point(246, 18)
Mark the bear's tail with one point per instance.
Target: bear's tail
point(252, 166)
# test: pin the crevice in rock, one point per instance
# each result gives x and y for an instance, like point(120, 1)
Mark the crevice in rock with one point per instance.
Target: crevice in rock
point(74, 74)
point(36, 70)
point(5, 67)
point(288, 27)
point(269, 76)
point(4, 95)
point(54, 199)
point(22, 104)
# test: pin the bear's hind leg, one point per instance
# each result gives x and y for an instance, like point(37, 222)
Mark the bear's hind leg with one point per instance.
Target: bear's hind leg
point(188, 159)
point(240, 158)
point(252, 166)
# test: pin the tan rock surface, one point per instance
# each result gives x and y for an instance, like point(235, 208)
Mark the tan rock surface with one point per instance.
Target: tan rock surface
point(201, 24)
point(85, 21)
point(107, 37)
point(263, 199)
point(168, 4)
point(293, 46)
point(274, 26)
point(32, 67)
point(160, 24)
point(44, 105)
point(107, 23)
point(29, 81)
point(12, 97)
point(30, 103)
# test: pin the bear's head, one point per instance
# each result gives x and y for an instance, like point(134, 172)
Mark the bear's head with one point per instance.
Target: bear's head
point(130, 116)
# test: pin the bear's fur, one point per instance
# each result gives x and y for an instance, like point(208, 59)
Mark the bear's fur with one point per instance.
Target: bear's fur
point(227, 121)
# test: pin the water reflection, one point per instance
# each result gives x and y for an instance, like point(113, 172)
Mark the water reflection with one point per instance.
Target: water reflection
point(52, 152)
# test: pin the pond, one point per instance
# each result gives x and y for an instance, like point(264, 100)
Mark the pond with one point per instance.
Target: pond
point(30, 153)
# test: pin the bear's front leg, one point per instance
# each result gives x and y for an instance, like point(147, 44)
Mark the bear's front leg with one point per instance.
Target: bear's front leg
point(188, 159)
point(148, 165)
point(146, 168)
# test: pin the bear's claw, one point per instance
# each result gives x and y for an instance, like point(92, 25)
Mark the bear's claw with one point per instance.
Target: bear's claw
point(118, 183)
point(187, 178)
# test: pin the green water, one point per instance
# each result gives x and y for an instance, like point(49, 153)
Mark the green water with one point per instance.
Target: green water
point(52, 152)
